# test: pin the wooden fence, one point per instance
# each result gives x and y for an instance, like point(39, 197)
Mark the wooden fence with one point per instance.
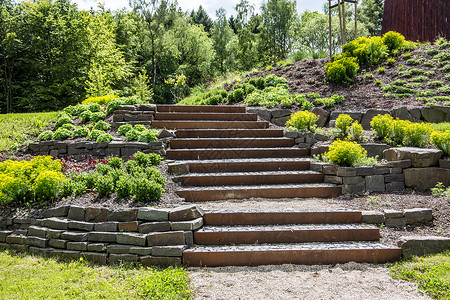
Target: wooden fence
point(417, 20)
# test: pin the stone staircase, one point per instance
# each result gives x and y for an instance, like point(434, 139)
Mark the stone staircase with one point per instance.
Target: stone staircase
point(232, 155)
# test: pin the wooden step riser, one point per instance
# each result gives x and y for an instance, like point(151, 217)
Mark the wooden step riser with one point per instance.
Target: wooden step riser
point(249, 166)
point(215, 195)
point(251, 179)
point(287, 236)
point(236, 154)
point(228, 133)
point(230, 143)
point(201, 108)
point(297, 257)
point(172, 125)
point(206, 116)
point(281, 218)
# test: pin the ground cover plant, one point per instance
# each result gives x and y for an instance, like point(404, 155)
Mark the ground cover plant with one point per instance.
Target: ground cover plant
point(19, 129)
point(431, 273)
point(28, 277)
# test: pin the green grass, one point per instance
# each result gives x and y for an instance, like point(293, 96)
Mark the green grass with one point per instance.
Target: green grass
point(431, 273)
point(17, 129)
point(30, 277)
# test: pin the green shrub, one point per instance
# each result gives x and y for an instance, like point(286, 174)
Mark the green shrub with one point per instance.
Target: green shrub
point(81, 131)
point(381, 124)
point(124, 187)
point(342, 124)
point(273, 80)
point(45, 136)
point(102, 125)
point(153, 174)
point(144, 160)
point(74, 110)
point(66, 188)
point(432, 52)
point(46, 185)
point(115, 162)
point(132, 167)
point(313, 95)
point(345, 153)
point(63, 119)
point(145, 190)
point(257, 82)
point(417, 135)
point(406, 55)
point(104, 186)
point(85, 116)
point(391, 61)
point(123, 129)
point(381, 70)
point(355, 131)
point(95, 133)
point(97, 116)
point(393, 40)
point(103, 100)
point(303, 121)
point(104, 137)
point(342, 71)
point(441, 140)
point(398, 131)
point(236, 96)
point(325, 101)
point(147, 136)
point(435, 84)
point(61, 134)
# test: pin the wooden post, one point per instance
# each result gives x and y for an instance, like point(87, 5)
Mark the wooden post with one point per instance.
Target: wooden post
point(343, 22)
point(329, 22)
point(340, 22)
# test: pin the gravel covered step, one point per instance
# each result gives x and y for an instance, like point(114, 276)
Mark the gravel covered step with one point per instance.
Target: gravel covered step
point(243, 165)
point(199, 194)
point(209, 124)
point(232, 153)
point(302, 254)
point(206, 116)
point(228, 133)
point(196, 143)
point(235, 235)
point(284, 217)
point(201, 108)
point(251, 178)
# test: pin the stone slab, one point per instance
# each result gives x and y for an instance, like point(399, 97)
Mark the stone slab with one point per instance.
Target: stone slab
point(131, 239)
point(373, 217)
point(185, 213)
point(75, 236)
point(78, 246)
point(76, 213)
point(187, 225)
point(57, 243)
point(153, 214)
point(375, 183)
point(420, 157)
point(79, 225)
point(166, 238)
point(97, 247)
point(124, 215)
point(148, 261)
point(418, 215)
point(154, 227)
point(423, 245)
point(168, 250)
point(106, 237)
point(60, 211)
point(96, 258)
point(106, 226)
point(426, 178)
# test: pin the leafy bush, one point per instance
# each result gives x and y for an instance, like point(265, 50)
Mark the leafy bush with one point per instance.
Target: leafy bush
point(355, 131)
point(61, 134)
point(153, 174)
point(147, 136)
point(273, 80)
point(342, 124)
point(441, 140)
point(81, 131)
point(97, 116)
point(303, 121)
point(145, 190)
point(104, 186)
point(417, 134)
point(144, 160)
point(236, 96)
point(132, 135)
point(45, 136)
point(63, 119)
point(85, 116)
point(123, 129)
point(381, 124)
point(104, 137)
point(95, 133)
point(345, 153)
point(102, 125)
point(115, 162)
point(46, 185)
point(398, 131)
point(257, 82)
point(124, 187)
point(342, 71)
point(103, 100)
point(393, 40)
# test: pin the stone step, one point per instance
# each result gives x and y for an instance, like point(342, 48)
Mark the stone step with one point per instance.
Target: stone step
point(195, 143)
point(283, 234)
point(201, 108)
point(280, 217)
point(251, 178)
point(300, 254)
point(228, 133)
point(206, 116)
point(246, 165)
point(199, 194)
point(209, 124)
point(238, 153)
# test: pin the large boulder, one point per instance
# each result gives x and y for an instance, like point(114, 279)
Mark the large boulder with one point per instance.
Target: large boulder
point(426, 178)
point(436, 114)
point(420, 158)
point(368, 116)
point(323, 116)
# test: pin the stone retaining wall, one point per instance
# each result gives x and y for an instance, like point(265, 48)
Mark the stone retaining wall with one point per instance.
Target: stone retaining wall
point(398, 218)
point(78, 150)
point(146, 235)
point(431, 114)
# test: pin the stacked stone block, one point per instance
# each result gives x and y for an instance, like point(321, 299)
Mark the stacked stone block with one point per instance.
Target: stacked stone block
point(144, 235)
point(133, 114)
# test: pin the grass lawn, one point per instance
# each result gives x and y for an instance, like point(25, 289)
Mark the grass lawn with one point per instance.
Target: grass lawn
point(16, 129)
point(431, 273)
point(30, 277)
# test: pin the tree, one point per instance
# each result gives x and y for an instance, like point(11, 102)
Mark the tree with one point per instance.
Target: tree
point(371, 14)
point(278, 17)
point(221, 34)
point(201, 17)
point(246, 36)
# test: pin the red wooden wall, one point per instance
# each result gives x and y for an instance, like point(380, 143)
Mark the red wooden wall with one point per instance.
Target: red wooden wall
point(417, 20)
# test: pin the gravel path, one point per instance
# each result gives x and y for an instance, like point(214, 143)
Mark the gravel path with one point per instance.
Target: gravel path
point(345, 281)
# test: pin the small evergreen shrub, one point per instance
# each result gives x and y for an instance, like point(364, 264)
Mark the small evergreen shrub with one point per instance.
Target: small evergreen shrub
point(85, 116)
point(342, 124)
point(147, 136)
point(104, 186)
point(303, 121)
point(441, 140)
point(381, 124)
point(236, 95)
point(417, 135)
point(95, 133)
point(124, 187)
point(345, 153)
point(393, 40)
point(104, 137)
point(103, 100)
point(45, 136)
point(146, 190)
point(342, 71)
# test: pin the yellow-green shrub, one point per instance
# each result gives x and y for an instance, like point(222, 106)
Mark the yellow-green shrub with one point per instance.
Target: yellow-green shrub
point(345, 153)
point(342, 70)
point(355, 131)
point(303, 121)
point(417, 135)
point(381, 124)
point(342, 124)
point(441, 140)
point(393, 40)
point(102, 100)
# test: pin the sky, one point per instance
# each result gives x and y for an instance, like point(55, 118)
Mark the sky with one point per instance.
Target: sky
point(209, 5)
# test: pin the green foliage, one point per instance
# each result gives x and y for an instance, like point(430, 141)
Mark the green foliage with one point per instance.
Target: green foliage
point(102, 125)
point(114, 103)
point(303, 121)
point(258, 82)
point(27, 181)
point(115, 162)
point(45, 136)
point(342, 71)
point(440, 190)
point(381, 124)
point(398, 131)
point(63, 119)
point(104, 186)
point(345, 153)
point(393, 40)
point(381, 70)
point(86, 116)
point(417, 135)
point(355, 131)
point(391, 61)
point(145, 190)
point(104, 137)
point(147, 136)
point(97, 116)
point(432, 52)
point(435, 84)
point(145, 160)
point(237, 95)
point(342, 124)
point(102, 100)
point(95, 133)
point(431, 273)
point(61, 134)
point(124, 187)
point(123, 129)
point(441, 140)
point(81, 131)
